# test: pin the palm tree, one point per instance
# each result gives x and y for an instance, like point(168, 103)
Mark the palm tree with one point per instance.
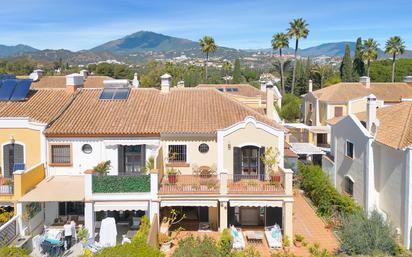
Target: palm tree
point(394, 46)
point(322, 70)
point(227, 67)
point(369, 51)
point(298, 29)
point(208, 46)
point(279, 41)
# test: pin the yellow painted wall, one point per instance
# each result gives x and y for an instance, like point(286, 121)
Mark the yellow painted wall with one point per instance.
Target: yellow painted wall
point(309, 99)
point(332, 109)
point(30, 138)
point(322, 113)
point(248, 135)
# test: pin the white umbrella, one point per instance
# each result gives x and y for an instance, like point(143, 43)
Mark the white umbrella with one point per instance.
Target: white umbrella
point(108, 232)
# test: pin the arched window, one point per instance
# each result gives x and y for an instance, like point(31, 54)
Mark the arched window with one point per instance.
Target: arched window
point(13, 157)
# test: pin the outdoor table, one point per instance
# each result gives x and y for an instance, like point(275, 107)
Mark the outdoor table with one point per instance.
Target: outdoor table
point(254, 236)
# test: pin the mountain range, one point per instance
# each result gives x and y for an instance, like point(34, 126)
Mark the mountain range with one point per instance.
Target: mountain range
point(143, 45)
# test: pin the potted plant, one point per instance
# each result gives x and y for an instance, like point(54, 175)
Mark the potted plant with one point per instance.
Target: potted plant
point(172, 175)
point(271, 160)
point(82, 235)
point(165, 242)
point(6, 185)
point(102, 168)
point(286, 243)
point(150, 165)
point(298, 240)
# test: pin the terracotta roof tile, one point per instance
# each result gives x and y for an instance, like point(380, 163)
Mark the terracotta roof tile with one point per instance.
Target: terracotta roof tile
point(343, 92)
point(395, 125)
point(148, 111)
point(42, 105)
point(60, 82)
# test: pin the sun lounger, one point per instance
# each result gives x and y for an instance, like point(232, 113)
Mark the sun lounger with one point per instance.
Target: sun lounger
point(274, 237)
point(238, 239)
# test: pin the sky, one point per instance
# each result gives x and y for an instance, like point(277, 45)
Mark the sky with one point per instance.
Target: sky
point(83, 24)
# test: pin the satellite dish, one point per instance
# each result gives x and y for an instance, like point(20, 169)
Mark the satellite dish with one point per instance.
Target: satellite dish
point(34, 76)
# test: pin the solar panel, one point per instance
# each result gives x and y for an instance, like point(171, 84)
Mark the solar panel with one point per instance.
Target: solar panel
point(114, 94)
point(7, 76)
point(121, 94)
point(107, 94)
point(21, 90)
point(7, 89)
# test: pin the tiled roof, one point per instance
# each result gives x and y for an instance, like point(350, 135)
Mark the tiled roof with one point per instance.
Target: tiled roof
point(60, 82)
point(395, 125)
point(42, 105)
point(334, 120)
point(243, 89)
point(343, 92)
point(148, 111)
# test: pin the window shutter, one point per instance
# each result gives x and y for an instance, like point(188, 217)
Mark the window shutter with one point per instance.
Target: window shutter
point(120, 158)
point(143, 157)
point(261, 164)
point(237, 163)
point(6, 161)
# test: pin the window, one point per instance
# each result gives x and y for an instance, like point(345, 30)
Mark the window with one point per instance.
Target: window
point(61, 154)
point(177, 153)
point(13, 158)
point(349, 149)
point(87, 149)
point(348, 186)
point(71, 208)
point(221, 89)
point(338, 111)
point(203, 148)
point(310, 107)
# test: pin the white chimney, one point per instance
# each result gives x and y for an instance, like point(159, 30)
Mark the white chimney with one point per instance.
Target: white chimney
point(310, 85)
point(263, 85)
point(371, 113)
point(36, 75)
point(270, 108)
point(180, 84)
point(165, 81)
point(74, 81)
point(408, 79)
point(135, 81)
point(84, 73)
point(365, 81)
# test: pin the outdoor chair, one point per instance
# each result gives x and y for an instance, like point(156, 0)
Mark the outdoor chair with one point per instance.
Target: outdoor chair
point(274, 237)
point(238, 239)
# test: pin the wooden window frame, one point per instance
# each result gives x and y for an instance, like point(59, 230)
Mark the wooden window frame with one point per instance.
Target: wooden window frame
point(52, 164)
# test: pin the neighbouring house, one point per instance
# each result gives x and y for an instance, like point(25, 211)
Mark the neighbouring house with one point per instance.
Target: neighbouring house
point(371, 160)
point(206, 147)
point(331, 103)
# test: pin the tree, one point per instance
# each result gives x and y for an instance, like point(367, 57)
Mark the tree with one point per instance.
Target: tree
point(279, 41)
point(290, 107)
point(346, 66)
point(237, 73)
point(369, 52)
point(394, 46)
point(323, 71)
point(358, 64)
point(208, 46)
point(227, 68)
point(298, 29)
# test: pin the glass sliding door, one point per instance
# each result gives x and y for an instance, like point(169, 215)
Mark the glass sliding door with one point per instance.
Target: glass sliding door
point(134, 159)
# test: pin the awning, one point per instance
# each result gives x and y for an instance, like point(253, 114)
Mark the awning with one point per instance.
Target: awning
point(306, 148)
point(155, 142)
point(199, 203)
point(57, 189)
point(255, 203)
point(121, 206)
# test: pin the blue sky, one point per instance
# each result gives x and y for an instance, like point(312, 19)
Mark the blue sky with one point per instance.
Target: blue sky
point(84, 24)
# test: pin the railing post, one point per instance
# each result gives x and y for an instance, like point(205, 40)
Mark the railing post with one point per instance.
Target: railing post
point(288, 181)
point(88, 186)
point(223, 182)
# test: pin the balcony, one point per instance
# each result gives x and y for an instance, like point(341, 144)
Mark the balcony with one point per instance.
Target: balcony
point(254, 184)
point(6, 186)
point(182, 184)
point(126, 183)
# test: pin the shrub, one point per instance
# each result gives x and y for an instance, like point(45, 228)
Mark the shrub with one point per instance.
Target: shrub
point(299, 238)
point(290, 110)
point(250, 251)
point(225, 243)
point(11, 251)
point(367, 235)
point(196, 247)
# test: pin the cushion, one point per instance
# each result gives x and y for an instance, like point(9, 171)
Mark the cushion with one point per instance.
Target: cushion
point(235, 233)
point(273, 233)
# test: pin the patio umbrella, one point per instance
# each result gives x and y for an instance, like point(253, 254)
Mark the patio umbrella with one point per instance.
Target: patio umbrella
point(108, 232)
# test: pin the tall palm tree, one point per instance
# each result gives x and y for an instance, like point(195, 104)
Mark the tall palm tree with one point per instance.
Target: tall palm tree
point(208, 46)
point(394, 46)
point(298, 29)
point(279, 41)
point(369, 51)
point(227, 67)
point(322, 70)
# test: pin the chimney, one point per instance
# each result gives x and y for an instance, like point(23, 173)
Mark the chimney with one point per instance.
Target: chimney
point(73, 82)
point(36, 75)
point(365, 81)
point(408, 79)
point(263, 85)
point(84, 73)
point(371, 112)
point(310, 85)
point(270, 108)
point(135, 81)
point(165, 81)
point(180, 84)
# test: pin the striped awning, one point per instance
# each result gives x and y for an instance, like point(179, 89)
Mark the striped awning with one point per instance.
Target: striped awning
point(256, 203)
point(199, 203)
point(121, 206)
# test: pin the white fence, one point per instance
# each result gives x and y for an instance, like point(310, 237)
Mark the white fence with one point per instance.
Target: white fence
point(9, 231)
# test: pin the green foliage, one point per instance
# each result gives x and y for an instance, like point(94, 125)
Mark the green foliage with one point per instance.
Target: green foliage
point(367, 236)
point(290, 110)
point(225, 243)
point(83, 234)
point(102, 168)
point(150, 165)
point(358, 64)
point(346, 66)
point(143, 231)
point(369, 52)
point(196, 247)
point(380, 70)
point(334, 79)
point(11, 251)
point(323, 194)
point(120, 184)
point(237, 73)
point(250, 251)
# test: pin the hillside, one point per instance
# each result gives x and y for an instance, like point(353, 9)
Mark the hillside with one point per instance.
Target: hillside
point(12, 51)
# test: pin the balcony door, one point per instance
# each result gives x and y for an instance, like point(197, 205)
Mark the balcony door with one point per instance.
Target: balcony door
point(132, 159)
point(247, 163)
point(250, 160)
point(13, 155)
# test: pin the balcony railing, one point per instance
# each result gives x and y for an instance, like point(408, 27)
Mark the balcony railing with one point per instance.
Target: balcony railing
point(6, 186)
point(121, 184)
point(259, 184)
point(176, 184)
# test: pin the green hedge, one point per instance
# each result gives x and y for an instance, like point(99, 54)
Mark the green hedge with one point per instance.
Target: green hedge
point(323, 194)
point(120, 184)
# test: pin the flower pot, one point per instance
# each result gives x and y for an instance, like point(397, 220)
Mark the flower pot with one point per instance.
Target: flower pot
point(172, 178)
point(275, 178)
point(298, 243)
